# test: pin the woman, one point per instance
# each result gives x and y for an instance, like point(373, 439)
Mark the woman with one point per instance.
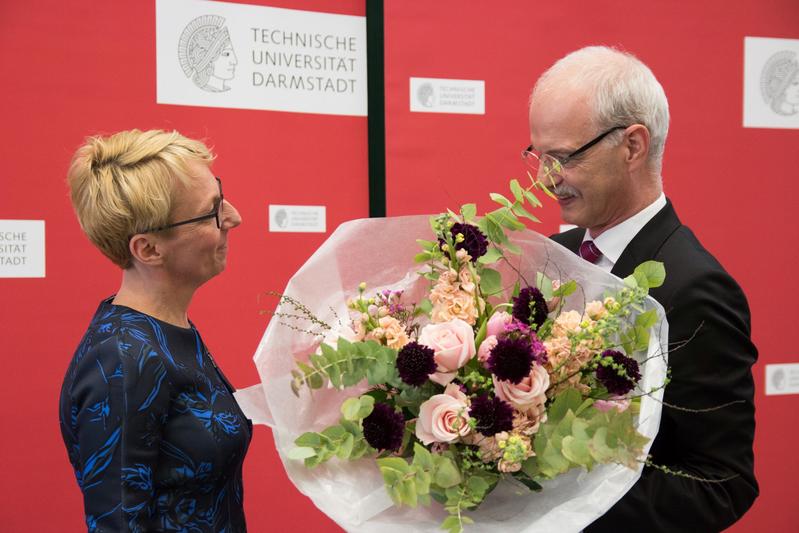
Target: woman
point(150, 424)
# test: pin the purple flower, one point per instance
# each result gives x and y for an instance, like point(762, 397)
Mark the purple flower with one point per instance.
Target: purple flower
point(384, 427)
point(511, 359)
point(491, 414)
point(415, 362)
point(530, 307)
point(474, 242)
point(620, 375)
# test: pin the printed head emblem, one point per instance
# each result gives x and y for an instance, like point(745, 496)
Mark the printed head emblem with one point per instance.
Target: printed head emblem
point(778, 379)
point(426, 94)
point(206, 53)
point(779, 83)
point(281, 218)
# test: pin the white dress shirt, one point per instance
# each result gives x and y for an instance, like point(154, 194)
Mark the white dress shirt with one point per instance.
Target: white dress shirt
point(613, 241)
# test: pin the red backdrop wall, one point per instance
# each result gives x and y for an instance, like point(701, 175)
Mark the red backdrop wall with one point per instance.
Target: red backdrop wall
point(82, 67)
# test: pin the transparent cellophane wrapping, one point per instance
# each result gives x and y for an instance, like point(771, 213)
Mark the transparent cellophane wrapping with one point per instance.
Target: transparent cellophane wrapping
point(380, 252)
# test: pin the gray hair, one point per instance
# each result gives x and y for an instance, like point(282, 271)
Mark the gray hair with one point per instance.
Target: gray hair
point(626, 92)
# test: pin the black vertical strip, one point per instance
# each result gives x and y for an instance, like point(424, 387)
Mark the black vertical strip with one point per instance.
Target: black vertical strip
point(375, 65)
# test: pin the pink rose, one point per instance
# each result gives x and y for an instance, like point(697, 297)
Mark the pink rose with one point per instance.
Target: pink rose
point(530, 391)
point(453, 344)
point(618, 403)
point(485, 348)
point(497, 322)
point(444, 417)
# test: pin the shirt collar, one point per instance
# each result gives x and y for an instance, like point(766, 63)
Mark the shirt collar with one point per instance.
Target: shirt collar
point(613, 241)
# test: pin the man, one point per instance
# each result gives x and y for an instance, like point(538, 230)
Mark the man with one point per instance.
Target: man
point(598, 124)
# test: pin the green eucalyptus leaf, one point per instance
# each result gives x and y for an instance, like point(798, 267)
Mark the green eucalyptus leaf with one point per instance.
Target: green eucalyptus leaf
point(544, 284)
point(490, 282)
point(468, 211)
point(647, 320)
point(516, 189)
point(447, 474)
point(521, 211)
point(652, 271)
point(500, 199)
point(309, 439)
point(300, 453)
point(491, 256)
point(565, 289)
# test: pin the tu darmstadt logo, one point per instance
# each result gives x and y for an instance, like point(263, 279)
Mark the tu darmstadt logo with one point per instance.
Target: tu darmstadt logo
point(206, 53)
point(426, 94)
point(779, 83)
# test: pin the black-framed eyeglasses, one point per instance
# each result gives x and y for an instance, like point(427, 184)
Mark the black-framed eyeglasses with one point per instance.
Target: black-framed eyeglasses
point(215, 214)
point(549, 164)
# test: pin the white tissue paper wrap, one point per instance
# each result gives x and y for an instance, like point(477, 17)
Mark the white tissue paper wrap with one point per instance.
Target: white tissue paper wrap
point(380, 252)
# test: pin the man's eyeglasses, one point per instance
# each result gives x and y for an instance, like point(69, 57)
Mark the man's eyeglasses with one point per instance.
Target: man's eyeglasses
point(548, 165)
point(215, 214)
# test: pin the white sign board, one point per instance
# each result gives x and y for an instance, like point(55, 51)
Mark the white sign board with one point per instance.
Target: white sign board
point(21, 248)
point(297, 218)
point(771, 83)
point(219, 54)
point(782, 379)
point(436, 95)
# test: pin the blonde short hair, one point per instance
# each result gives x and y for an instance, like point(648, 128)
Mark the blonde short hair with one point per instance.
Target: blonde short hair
point(124, 183)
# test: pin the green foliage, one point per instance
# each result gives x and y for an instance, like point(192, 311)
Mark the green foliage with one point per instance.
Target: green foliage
point(491, 256)
point(346, 365)
point(490, 282)
point(468, 211)
point(344, 440)
point(577, 435)
point(411, 398)
point(411, 483)
point(544, 285)
point(649, 275)
point(566, 289)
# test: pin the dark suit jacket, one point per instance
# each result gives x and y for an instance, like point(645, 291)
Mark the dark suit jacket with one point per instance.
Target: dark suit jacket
point(714, 367)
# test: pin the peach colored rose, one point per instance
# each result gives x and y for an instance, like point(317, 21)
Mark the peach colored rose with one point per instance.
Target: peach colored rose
point(485, 348)
point(530, 391)
point(497, 322)
point(453, 344)
point(443, 417)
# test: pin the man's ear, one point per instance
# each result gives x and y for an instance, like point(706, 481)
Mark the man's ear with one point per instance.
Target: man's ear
point(637, 145)
point(146, 249)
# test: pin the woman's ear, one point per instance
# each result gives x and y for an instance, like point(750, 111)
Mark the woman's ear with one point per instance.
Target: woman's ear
point(146, 249)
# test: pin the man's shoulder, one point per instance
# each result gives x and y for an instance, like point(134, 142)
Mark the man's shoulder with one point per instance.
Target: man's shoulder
point(570, 239)
point(693, 271)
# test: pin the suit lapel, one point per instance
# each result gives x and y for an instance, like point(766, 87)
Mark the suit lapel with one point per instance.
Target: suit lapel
point(647, 243)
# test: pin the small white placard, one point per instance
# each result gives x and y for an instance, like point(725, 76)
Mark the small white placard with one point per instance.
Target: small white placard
point(297, 218)
point(438, 95)
point(21, 248)
point(782, 379)
point(220, 54)
point(771, 83)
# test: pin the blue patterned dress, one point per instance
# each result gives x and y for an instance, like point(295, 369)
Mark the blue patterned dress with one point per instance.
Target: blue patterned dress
point(151, 427)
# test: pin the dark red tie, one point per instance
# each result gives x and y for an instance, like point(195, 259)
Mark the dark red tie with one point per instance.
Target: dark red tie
point(590, 252)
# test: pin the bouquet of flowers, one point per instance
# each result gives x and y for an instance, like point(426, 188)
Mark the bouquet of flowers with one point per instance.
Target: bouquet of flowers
point(489, 364)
